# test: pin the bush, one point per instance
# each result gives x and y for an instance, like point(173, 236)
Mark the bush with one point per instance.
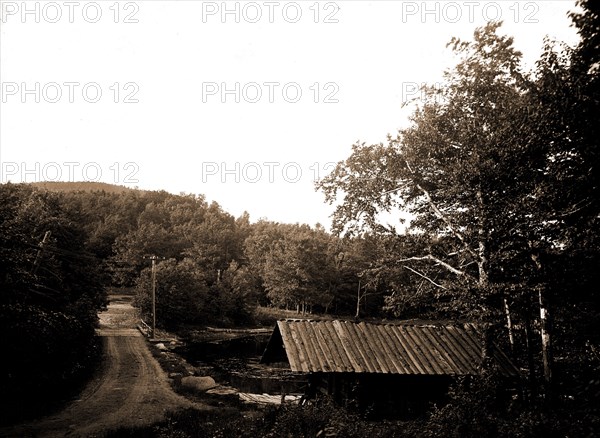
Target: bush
point(46, 354)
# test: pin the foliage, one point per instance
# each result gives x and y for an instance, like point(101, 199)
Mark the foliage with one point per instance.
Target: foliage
point(308, 269)
point(212, 268)
point(484, 407)
point(499, 170)
point(450, 169)
point(322, 420)
point(51, 292)
point(181, 293)
point(296, 268)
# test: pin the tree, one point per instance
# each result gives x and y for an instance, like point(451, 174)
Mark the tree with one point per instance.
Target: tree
point(257, 245)
point(235, 295)
point(181, 294)
point(455, 169)
point(52, 289)
point(296, 269)
point(214, 242)
point(565, 99)
point(500, 172)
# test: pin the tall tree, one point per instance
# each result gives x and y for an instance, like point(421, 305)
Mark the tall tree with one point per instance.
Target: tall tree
point(455, 169)
point(500, 172)
point(296, 268)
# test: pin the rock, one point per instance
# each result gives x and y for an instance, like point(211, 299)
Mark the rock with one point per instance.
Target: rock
point(200, 384)
point(161, 346)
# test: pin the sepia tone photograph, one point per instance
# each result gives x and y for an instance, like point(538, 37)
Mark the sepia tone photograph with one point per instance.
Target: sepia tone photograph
point(312, 218)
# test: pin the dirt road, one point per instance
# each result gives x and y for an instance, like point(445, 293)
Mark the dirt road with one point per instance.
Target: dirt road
point(130, 390)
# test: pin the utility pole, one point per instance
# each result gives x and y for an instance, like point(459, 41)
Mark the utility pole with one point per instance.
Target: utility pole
point(154, 259)
point(38, 257)
point(153, 296)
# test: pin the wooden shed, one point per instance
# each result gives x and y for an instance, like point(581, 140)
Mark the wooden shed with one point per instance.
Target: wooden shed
point(399, 366)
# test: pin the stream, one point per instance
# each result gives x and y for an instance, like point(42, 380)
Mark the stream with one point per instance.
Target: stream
point(236, 362)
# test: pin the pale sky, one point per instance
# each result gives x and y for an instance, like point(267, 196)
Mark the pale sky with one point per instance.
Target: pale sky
point(245, 102)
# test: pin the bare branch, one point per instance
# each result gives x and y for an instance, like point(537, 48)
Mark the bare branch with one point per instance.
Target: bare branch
point(441, 216)
point(584, 203)
point(395, 189)
point(424, 276)
point(438, 261)
point(468, 264)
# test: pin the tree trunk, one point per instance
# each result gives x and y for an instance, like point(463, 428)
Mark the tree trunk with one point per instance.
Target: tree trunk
point(509, 326)
point(545, 331)
point(482, 265)
point(358, 301)
point(546, 340)
point(482, 260)
point(529, 346)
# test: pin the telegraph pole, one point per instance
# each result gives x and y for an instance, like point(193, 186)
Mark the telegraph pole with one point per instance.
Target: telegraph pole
point(153, 295)
point(154, 259)
point(38, 257)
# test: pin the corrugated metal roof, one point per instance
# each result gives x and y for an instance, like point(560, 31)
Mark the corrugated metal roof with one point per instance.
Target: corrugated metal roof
point(362, 347)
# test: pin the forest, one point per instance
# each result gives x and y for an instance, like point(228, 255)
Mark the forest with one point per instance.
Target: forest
point(499, 172)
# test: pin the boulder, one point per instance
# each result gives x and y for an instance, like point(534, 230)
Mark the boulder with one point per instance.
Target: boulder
point(200, 384)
